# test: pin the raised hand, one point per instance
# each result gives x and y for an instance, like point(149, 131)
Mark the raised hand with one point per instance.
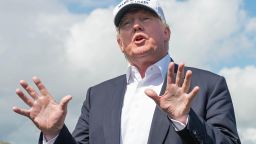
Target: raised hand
point(44, 112)
point(176, 101)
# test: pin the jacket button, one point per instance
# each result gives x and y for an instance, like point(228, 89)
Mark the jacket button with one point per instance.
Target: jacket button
point(194, 132)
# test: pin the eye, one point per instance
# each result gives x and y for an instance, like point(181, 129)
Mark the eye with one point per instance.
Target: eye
point(125, 23)
point(146, 19)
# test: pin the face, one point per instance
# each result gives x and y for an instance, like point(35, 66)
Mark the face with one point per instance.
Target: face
point(143, 37)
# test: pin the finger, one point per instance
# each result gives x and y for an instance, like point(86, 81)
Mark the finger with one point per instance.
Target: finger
point(21, 111)
point(64, 102)
point(187, 81)
point(193, 93)
point(27, 100)
point(29, 89)
point(180, 73)
point(152, 94)
point(170, 75)
point(40, 86)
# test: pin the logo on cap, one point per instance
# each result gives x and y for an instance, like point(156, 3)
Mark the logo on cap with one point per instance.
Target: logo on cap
point(133, 1)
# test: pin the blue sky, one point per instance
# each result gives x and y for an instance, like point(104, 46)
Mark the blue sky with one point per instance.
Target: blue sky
point(70, 45)
point(250, 5)
point(77, 7)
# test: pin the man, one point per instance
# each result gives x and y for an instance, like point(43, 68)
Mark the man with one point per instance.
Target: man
point(183, 109)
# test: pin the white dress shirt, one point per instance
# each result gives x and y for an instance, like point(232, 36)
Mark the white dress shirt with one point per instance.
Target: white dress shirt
point(138, 108)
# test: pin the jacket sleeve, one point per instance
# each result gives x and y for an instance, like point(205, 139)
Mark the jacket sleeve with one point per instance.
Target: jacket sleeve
point(218, 125)
point(81, 132)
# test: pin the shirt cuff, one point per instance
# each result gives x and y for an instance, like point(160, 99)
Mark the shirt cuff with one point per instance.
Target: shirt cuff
point(51, 141)
point(178, 126)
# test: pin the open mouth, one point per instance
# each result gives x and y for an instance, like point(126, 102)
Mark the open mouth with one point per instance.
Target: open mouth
point(139, 39)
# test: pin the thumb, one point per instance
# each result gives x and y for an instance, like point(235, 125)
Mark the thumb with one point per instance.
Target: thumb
point(64, 102)
point(152, 94)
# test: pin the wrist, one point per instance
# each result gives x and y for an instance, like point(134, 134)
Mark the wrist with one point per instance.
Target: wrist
point(48, 136)
point(183, 119)
point(51, 133)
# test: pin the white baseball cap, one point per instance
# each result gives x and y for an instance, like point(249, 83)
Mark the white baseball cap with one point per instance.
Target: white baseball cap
point(125, 5)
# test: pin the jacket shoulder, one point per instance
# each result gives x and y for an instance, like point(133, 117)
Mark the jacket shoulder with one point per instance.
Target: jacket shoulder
point(110, 82)
point(196, 72)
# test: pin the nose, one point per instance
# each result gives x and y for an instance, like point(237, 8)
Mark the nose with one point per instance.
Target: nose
point(137, 26)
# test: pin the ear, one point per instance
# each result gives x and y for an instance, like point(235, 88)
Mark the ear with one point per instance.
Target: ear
point(120, 43)
point(167, 33)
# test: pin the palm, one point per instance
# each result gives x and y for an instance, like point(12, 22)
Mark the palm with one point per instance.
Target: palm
point(176, 100)
point(175, 104)
point(44, 112)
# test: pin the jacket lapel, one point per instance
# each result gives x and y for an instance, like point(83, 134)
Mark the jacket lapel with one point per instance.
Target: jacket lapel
point(160, 124)
point(112, 116)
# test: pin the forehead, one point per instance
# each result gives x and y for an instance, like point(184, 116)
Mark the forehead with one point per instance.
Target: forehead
point(133, 11)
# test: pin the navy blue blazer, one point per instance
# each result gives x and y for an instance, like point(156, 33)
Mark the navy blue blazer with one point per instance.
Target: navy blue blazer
point(211, 118)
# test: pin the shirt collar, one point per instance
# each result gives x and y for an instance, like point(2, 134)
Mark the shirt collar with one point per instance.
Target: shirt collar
point(162, 65)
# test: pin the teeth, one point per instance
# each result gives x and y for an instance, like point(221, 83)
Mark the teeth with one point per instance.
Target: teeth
point(139, 38)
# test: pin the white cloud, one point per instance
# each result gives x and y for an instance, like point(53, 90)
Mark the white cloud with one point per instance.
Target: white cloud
point(241, 82)
point(90, 3)
point(92, 45)
point(251, 26)
point(248, 136)
point(250, 29)
point(205, 33)
point(31, 135)
point(32, 43)
point(2, 48)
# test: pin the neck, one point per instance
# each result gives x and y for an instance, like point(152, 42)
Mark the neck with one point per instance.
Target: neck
point(143, 65)
point(142, 69)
